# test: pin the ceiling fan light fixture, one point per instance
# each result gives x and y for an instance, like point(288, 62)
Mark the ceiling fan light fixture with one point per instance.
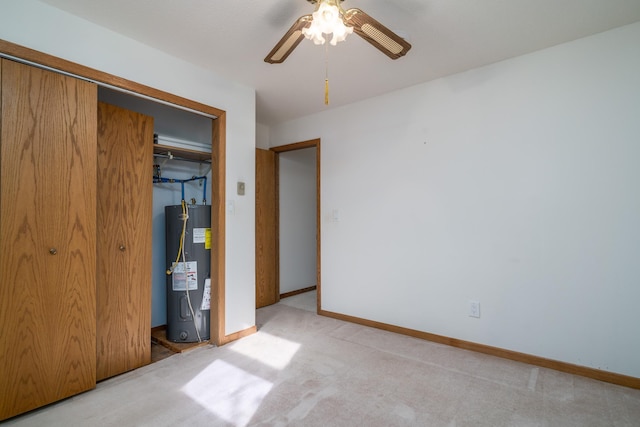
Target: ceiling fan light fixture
point(330, 18)
point(340, 33)
point(327, 19)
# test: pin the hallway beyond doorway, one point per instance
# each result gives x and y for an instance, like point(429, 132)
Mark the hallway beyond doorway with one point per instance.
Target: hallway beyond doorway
point(305, 301)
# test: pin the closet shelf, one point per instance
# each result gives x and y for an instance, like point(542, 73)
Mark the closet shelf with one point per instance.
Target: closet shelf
point(181, 153)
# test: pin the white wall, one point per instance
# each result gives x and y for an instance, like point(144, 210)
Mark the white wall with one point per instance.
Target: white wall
point(297, 211)
point(41, 27)
point(516, 184)
point(262, 136)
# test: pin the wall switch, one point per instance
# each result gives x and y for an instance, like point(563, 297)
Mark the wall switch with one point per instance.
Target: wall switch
point(474, 308)
point(240, 188)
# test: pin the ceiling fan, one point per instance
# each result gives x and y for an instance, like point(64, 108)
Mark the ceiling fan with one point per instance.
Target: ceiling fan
point(329, 17)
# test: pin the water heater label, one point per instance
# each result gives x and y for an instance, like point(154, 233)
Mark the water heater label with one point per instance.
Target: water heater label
point(182, 278)
point(199, 235)
point(206, 295)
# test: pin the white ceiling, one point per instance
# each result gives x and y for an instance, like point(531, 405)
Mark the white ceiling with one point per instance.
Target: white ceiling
point(232, 37)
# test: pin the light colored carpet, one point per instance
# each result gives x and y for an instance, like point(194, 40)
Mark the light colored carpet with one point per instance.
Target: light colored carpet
point(301, 369)
point(305, 301)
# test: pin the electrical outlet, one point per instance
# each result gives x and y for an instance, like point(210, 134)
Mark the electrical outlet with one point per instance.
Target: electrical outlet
point(474, 308)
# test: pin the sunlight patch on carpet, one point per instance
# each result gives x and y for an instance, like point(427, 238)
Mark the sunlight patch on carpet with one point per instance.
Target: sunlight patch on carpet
point(235, 399)
point(268, 349)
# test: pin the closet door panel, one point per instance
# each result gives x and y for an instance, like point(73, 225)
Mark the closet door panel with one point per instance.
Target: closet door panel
point(125, 188)
point(47, 237)
point(267, 288)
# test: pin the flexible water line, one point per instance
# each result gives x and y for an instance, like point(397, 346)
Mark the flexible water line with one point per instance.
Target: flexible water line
point(185, 213)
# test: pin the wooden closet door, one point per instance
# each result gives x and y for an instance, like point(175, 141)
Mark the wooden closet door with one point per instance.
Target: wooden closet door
point(125, 188)
point(267, 289)
point(47, 237)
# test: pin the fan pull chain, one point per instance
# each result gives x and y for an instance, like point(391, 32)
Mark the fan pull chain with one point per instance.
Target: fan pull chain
point(326, 74)
point(326, 91)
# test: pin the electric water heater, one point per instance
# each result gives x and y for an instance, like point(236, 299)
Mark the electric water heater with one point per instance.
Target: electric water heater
point(188, 236)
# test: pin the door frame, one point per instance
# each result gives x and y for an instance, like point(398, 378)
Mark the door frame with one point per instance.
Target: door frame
point(312, 143)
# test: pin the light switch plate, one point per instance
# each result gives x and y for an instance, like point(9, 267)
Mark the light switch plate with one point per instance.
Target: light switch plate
point(240, 188)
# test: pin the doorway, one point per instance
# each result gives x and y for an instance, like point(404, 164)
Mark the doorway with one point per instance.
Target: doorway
point(288, 222)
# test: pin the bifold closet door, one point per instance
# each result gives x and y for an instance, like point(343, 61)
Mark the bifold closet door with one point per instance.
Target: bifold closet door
point(125, 188)
point(47, 237)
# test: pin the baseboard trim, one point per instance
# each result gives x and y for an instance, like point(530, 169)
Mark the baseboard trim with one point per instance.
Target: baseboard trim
point(597, 374)
point(237, 335)
point(298, 292)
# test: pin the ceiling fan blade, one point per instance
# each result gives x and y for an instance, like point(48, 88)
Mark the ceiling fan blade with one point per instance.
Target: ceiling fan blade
point(291, 39)
point(377, 34)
